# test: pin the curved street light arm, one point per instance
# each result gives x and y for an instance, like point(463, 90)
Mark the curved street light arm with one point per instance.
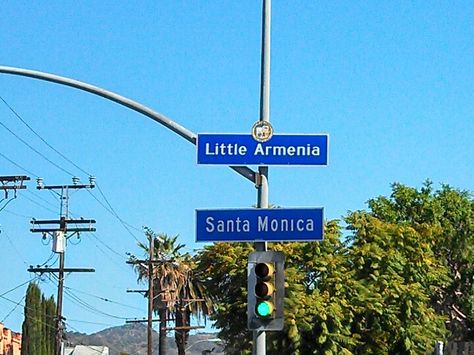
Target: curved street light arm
point(124, 101)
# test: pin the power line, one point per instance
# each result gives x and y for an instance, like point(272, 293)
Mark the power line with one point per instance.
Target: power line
point(16, 287)
point(35, 150)
point(111, 210)
point(115, 213)
point(88, 307)
point(13, 309)
point(2, 231)
point(6, 203)
point(29, 308)
point(94, 234)
point(103, 298)
point(116, 253)
point(18, 165)
point(41, 198)
point(41, 138)
point(17, 214)
point(39, 204)
point(88, 322)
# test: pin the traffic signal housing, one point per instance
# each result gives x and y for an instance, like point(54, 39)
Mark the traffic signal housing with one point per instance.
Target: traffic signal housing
point(265, 290)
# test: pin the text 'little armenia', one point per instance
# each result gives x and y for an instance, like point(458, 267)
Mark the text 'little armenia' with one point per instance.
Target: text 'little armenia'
point(230, 149)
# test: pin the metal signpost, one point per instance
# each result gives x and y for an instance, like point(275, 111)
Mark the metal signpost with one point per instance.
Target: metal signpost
point(260, 225)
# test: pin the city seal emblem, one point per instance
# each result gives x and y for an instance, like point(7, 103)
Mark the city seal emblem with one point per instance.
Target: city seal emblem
point(262, 131)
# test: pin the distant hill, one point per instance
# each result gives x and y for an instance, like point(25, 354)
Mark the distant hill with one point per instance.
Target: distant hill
point(132, 339)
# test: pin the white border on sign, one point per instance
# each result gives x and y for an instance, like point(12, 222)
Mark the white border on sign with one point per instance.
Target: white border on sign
point(275, 165)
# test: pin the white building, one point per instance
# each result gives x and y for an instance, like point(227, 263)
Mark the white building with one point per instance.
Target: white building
point(87, 350)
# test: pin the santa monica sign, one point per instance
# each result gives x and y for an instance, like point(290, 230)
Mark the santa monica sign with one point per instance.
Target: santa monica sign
point(259, 224)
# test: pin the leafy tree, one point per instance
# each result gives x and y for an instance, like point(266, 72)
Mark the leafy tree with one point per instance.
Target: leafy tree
point(399, 279)
point(49, 324)
point(31, 329)
point(225, 266)
point(38, 329)
point(395, 274)
point(449, 214)
point(313, 318)
point(321, 314)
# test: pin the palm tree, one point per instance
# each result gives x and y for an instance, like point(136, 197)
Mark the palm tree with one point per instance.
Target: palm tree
point(177, 289)
point(192, 300)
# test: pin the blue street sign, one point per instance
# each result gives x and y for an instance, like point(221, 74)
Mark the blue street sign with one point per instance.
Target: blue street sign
point(281, 149)
point(259, 224)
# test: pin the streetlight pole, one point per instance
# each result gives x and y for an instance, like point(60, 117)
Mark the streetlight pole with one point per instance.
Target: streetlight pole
point(259, 337)
point(121, 100)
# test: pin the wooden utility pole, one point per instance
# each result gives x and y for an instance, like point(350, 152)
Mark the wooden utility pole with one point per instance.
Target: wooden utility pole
point(59, 230)
point(149, 263)
point(150, 296)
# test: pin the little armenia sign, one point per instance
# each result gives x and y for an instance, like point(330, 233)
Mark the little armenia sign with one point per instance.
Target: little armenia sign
point(260, 224)
point(242, 149)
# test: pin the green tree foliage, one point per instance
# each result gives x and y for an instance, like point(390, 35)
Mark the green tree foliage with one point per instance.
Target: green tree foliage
point(449, 214)
point(395, 274)
point(320, 316)
point(394, 281)
point(38, 330)
point(225, 265)
point(308, 266)
point(50, 324)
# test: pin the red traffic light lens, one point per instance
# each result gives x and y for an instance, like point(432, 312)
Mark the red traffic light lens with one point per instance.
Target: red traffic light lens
point(264, 270)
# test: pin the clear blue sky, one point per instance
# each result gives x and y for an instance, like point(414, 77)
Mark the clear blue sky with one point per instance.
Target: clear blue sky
point(390, 82)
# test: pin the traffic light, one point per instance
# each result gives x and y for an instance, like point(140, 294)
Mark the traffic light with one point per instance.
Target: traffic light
point(265, 290)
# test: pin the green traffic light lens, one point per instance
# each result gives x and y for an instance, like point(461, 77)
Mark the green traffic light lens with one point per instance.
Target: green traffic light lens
point(264, 309)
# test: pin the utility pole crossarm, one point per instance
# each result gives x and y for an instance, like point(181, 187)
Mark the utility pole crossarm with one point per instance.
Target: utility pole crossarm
point(66, 269)
point(14, 187)
point(17, 182)
point(138, 261)
point(52, 221)
point(137, 291)
point(73, 230)
point(140, 320)
point(63, 225)
point(185, 327)
point(14, 178)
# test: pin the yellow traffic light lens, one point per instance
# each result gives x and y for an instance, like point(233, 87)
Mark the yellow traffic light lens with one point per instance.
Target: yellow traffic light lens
point(264, 289)
point(264, 309)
